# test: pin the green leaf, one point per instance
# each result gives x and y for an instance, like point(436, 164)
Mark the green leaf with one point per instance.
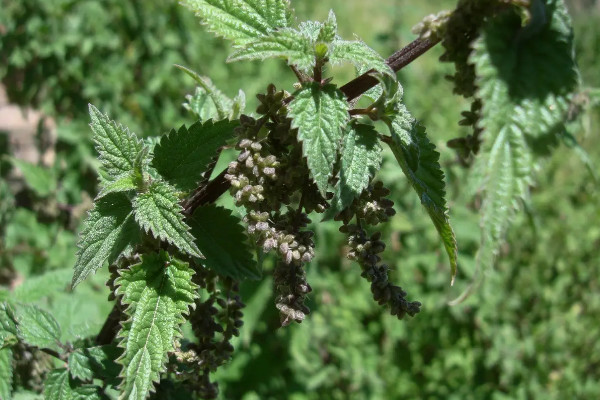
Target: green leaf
point(320, 113)
point(241, 20)
point(6, 374)
point(507, 168)
point(37, 327)
point(525, 79)
point(39, 286)
point(123, 183)
point(158, 291)
point(219, 103)
point(359, 54)
point(361, 158)
point(182, 156)
point(118, 148)
point(108, 231)
point(287, 43)
point(221, 239)
point(39, 179)
point(420, 163)
point(7, 319)
point(95, 362)
point(56, 386)
point(59, 386)
point(159, 212)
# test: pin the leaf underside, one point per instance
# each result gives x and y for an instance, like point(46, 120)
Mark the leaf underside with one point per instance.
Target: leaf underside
point(526, 78)
point(158, 292)
point(420, 163)
point(6, 373)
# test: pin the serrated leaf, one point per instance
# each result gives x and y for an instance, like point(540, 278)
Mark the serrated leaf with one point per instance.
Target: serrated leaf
point(221, 239)
point(525, 78)
point(7, 319)
point(359, 54)
point(56, 386)
point(59, 386)
point(420, 163)
point(223, 105)
point(241, 20)
point(361, 158)
point(37, 327)
point(39, 179)
point(6, 374)
point(123, 183)
point(320, 113)
point(287, 43)
point(158, 211)
point(507, 170)
point(182, 156)
point(158, 291)
point(95, 362)
point(117, 146)
point(108, 230)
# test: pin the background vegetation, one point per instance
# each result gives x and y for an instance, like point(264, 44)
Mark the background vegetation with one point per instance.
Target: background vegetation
point(530, 330)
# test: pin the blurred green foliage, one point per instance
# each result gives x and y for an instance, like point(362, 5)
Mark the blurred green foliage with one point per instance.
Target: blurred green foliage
point(530, 330)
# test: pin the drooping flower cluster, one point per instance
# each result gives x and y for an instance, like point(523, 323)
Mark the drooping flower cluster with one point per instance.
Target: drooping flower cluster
point(271, 180)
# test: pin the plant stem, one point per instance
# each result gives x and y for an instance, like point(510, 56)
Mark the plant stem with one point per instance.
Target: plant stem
point(396, 61)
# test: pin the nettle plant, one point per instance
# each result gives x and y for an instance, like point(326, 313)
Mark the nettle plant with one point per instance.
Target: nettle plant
point(309, 152)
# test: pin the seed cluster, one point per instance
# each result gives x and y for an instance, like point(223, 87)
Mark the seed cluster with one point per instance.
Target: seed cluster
point(215, 321)
point(365, 251)
point(268, 178)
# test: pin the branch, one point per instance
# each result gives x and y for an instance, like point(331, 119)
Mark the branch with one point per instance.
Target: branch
point(396, 61)
point(353, 89)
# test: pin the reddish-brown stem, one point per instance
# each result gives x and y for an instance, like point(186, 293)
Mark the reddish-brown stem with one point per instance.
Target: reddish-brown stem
point(396, 61)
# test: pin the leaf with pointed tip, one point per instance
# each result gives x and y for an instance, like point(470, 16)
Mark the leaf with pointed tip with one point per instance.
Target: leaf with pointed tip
point(117, 146)
point(37, 327)
point(108, 231)
point(6, 374)
point(525, 80)
point(182, 156)
point(95, 362)
point(241, 20)
point(328, 30)
point(223, 105)
point(420, 163)
point(320, 113)
point(123, 183)
point(359, 54)
point(221, 239)
point(158, 292)
point(39, 179)
point(158, 211)
point(286, 43)
point(361, 157)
